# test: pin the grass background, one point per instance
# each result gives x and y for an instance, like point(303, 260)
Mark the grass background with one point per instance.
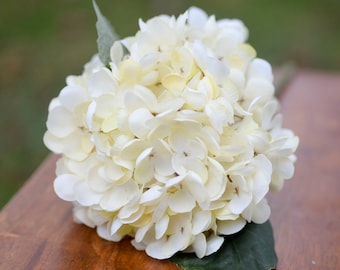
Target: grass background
point(41, 42)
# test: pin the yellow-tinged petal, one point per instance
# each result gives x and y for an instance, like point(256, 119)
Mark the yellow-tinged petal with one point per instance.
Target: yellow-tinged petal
point(173, 82)
point(109, 123)
point(130, 71)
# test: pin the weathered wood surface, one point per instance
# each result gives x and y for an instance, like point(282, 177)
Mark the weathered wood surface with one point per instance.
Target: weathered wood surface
point(37, 229)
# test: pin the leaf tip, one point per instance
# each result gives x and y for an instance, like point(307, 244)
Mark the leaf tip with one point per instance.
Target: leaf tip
point(106, 35)
point(96, 9)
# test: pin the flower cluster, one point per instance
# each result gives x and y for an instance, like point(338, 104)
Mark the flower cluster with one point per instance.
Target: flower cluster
point(177, 141)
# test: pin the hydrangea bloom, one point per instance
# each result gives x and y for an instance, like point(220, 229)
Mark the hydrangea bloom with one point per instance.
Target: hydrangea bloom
point(175, 143)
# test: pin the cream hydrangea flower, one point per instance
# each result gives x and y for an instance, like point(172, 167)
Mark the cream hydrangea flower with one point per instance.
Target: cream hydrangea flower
point(176, 142)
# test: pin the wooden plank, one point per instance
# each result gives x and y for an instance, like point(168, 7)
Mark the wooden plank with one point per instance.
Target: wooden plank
point(306, 213)
point(37, 230)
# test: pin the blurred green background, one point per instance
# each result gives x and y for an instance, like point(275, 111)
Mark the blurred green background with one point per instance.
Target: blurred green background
point(41, 42)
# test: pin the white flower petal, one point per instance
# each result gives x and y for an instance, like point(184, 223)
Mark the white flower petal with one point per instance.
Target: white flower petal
point(64, 186)
point(137, 122)
point(261, 212)
point(103, 232)
point(210, 65)
point(214, 243)
point(115, 226)
point(101, 82)
point(181, 201)
point(61, 122)
point(162, 159)
point(240, 202)
point(53, 143)
point(200, 245)
point(174, 104)
point(119, 196)
point(96, 182)
point(262, 177)
point(259, 87)
point(268, 114)
point(130, 212)
point(197, 17)
point(201, 222)
point(161, 209)
point(161, 226)
point(139, 97)
point(220, 113)
point(141, 232)
point(260, 68)
point(55, 102)
point(90, 113)
point(216, 184)
point(116, 52)
point(85, 195)
point(194, 184)
point(227, 227)
point(283, 167)
point(196, 100)
point(144, 172)
point(71, 96)
point(77, 145)
point(249, 213)
point(81, 216)
point(151, 194)
point(113, 171)
point(175, 180)
point(107, 104)
point(132, 149)
point(167, 246)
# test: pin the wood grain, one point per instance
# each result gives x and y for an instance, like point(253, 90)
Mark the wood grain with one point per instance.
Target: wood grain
point(37, 230)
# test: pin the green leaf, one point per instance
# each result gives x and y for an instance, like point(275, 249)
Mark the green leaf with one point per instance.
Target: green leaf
point(106, 35)
point(252, 248)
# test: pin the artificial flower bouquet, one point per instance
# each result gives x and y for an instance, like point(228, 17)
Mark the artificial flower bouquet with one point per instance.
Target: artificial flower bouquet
point(172, 136)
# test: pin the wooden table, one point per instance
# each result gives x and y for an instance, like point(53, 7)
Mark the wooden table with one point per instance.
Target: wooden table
point(37, 230)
